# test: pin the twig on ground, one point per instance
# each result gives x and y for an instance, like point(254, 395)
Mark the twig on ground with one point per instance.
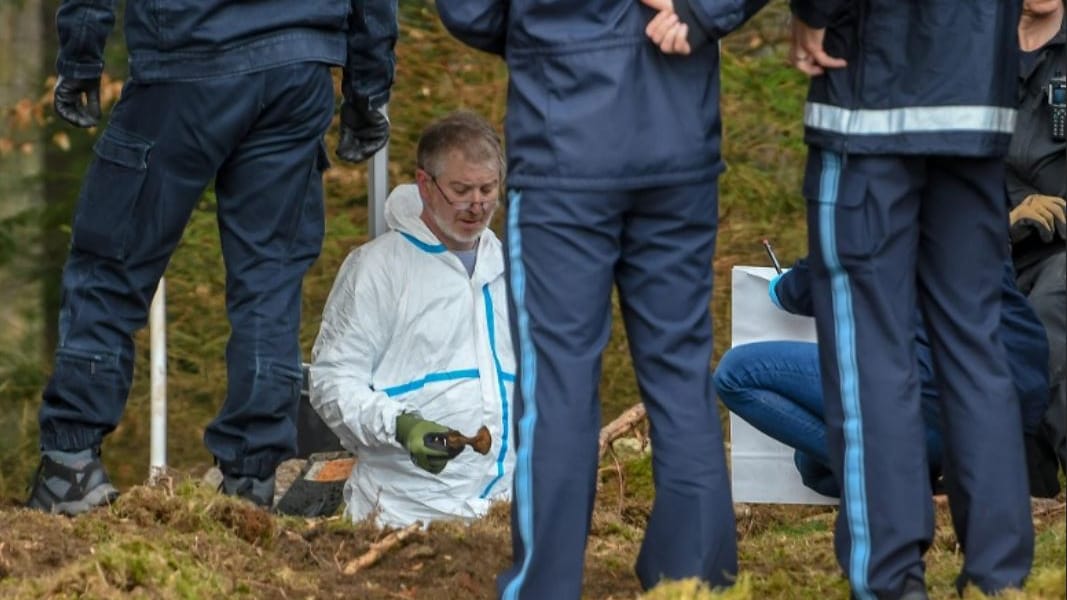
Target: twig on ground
point(379, 548)
point(622, 424)
point(622, 480)
point(336, 556)
point(1048, 507)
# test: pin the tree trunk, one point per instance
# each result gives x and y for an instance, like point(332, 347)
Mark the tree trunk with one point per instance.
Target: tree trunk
point(21, 166)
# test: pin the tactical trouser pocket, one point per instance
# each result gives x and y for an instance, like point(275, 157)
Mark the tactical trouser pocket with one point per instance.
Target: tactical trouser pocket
point(104, 220)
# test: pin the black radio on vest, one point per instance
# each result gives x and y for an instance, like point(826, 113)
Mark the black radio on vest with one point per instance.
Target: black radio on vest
point(1057, 99)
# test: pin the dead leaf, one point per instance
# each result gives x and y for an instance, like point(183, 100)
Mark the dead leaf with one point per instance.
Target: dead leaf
point(62, 140)
point(22, 114)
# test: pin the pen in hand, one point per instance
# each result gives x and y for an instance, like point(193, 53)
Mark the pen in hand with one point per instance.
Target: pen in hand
point(770, 253)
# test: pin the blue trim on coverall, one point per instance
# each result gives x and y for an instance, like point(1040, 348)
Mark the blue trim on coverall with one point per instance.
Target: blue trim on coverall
point(411, 386)
point(421, 245)
point(503, 392)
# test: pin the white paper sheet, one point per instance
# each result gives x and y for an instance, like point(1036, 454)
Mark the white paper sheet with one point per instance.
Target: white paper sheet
point(762, 469)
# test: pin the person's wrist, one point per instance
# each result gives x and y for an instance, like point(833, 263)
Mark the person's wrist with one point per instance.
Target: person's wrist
point(70, 69)
point(405, 422)
point(772, 291)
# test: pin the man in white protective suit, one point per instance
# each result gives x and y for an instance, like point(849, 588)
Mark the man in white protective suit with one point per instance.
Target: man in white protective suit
point(415, 340)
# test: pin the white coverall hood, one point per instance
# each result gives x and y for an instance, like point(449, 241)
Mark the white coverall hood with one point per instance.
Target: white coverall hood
point(406, 329)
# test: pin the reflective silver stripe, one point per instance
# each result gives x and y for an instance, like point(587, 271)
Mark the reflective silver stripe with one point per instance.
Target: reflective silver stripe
point(917, 119)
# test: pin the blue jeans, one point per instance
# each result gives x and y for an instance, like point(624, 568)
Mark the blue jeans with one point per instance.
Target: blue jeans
point(259, 137)
point(777, 388)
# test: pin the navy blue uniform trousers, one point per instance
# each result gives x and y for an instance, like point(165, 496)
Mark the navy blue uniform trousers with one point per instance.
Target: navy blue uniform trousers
point(565, 252)
point(886, 233)
point(259, 137)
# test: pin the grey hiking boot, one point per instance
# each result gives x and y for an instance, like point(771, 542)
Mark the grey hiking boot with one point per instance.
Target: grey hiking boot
point(257, 491)
point(70, 483)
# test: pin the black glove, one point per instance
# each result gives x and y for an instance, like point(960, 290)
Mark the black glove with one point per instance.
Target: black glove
point(364, 131)
point(77, 101)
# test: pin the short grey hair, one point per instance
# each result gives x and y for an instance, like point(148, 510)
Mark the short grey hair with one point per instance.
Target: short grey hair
point(462, 130)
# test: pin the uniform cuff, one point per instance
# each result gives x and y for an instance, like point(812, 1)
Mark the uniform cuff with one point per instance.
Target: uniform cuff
point(810, 14)
point(696, 36)
point(75, 70)
point(772, 291)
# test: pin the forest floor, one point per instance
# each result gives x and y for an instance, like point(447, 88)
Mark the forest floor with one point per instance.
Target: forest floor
point(180, 539)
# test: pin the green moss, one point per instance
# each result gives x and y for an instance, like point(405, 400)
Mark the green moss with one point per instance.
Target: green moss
point(804, 528)
point(640, 486)
point(94, 531)
point(1049, 580)
point(134, 567)
point(692, 589)
point(1050, 545)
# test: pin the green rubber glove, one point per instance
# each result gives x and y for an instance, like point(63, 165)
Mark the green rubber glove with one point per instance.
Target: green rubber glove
point(411, 431)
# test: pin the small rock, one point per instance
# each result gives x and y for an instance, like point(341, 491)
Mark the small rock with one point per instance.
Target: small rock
point(628, 447)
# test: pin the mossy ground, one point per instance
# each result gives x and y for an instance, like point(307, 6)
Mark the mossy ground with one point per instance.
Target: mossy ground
point(186, 541)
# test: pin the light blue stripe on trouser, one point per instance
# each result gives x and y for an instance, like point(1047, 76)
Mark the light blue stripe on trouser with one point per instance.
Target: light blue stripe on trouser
point(523, 502)
point(855, 490)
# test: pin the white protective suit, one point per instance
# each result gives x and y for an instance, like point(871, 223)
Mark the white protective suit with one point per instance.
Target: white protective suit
point(405, 329)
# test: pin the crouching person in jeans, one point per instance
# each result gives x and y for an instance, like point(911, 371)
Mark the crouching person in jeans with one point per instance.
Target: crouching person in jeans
point(415, 340)
point(776, 386)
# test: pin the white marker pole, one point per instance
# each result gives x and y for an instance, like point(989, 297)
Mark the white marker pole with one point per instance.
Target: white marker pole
point(378, 189)
point(157, 324)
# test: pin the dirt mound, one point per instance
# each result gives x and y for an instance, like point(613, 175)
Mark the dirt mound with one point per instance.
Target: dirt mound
point(188, 541)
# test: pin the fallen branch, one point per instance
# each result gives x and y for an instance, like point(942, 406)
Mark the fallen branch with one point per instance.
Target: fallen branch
point(379, 548)
point(621, 426)
point(1044, 507)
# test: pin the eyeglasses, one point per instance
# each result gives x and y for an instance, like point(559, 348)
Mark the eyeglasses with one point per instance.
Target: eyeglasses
point(463, 204)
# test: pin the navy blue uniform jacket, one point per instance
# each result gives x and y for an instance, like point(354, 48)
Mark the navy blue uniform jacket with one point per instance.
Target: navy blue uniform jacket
point(187, 40)
point(909, 88)
point(592, 103)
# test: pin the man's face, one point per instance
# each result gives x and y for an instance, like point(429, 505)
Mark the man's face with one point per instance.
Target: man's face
point(459, 201)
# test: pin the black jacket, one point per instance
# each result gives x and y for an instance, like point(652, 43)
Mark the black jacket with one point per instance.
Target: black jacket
point(1037, 164)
